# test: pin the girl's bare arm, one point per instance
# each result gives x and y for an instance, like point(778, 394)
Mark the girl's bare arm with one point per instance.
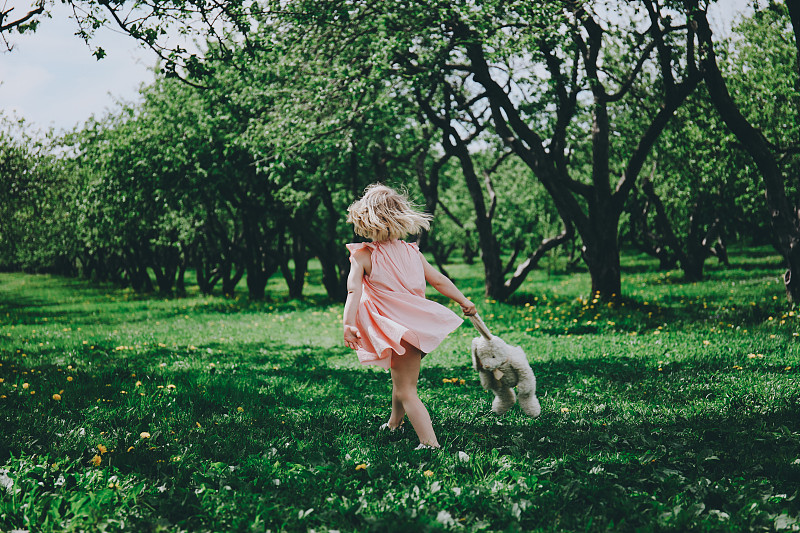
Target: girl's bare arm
point(442, 283)
point(352, 338)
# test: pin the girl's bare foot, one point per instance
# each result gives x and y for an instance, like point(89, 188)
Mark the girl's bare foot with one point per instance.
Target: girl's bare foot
point(391, 428)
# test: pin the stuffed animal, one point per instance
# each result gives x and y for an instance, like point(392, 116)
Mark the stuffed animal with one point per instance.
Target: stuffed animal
point(501, 368)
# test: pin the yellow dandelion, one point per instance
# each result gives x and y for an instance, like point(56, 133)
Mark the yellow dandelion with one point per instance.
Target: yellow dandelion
point(144, 435)
point(129, 448)
point(170, 386)
point(198, 424)
point(788, 368)
point(102, 449)
point(69, 378)
point(362, 466)
point(428, 473)
point(26, 385)
point(138, 384)
point(56, 397)
point(565, 409)
point(461, 381)
point(240, 409)
point(96, 460)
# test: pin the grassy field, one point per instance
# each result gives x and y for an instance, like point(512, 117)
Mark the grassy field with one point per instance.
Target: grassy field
point(674, 409)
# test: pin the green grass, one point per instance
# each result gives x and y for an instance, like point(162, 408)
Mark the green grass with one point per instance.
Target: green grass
point(675, 409)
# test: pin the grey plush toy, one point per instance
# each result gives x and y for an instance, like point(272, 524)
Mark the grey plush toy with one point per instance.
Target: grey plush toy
point(501, 368)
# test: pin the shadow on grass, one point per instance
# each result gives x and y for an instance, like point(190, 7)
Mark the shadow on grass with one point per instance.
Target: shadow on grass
point(300, 381)
point(300, 419)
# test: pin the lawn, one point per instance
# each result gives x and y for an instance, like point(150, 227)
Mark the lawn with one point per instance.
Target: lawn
point(676, 408)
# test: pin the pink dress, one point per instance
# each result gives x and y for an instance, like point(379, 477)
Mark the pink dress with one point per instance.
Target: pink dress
point(393, 306)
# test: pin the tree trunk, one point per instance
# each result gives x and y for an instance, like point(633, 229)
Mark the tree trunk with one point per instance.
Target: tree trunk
point(256, 282)
point(331, 280)
point(205, 281)
point(180, 281)
point(693, 266)
point(791, 278)
point(295, 279)
point(601, 255)
point(326, 247)
point(231, 275)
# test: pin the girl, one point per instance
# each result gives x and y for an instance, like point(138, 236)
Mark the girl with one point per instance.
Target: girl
point(387, 319)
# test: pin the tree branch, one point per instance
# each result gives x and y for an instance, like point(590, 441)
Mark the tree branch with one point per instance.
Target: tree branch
point(628, 83)
point(664, 53)
point(657, 125)
point(6, 26)
point(513, 283)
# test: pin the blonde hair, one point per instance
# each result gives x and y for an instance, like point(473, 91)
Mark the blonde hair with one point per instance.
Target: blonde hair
point(384, 214)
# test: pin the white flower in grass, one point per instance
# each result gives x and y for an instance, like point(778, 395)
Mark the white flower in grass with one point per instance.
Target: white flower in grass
point(445, 518)
point(5, 481)
point(463, 457)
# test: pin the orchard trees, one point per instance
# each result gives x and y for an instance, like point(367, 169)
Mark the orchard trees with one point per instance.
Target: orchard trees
point(35, 207)
point(543, 79)
point(766, 147)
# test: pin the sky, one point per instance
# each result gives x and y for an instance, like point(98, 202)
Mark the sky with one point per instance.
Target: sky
point(51, 79)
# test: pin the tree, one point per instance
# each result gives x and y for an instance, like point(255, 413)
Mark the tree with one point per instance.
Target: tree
point(784, 215)
point(699, 194)
point(520, 71)
point(35, 203)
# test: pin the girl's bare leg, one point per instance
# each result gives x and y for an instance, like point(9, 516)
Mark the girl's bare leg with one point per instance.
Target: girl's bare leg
point(405, 373)
point(398, 413)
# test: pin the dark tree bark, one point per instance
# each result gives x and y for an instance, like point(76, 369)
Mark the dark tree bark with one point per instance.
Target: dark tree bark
point(325, 245)
point(165, 263)
point(296, 251)
point(261, 261)
point(136, 269)
point(180, 280)
point(783, 215)
point(231, 274)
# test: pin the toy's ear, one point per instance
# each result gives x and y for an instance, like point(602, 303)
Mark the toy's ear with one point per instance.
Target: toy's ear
point(476, 363)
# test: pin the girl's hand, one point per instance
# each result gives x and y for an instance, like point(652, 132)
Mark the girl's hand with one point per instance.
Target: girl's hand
point(469, 308)
point(352, 338)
